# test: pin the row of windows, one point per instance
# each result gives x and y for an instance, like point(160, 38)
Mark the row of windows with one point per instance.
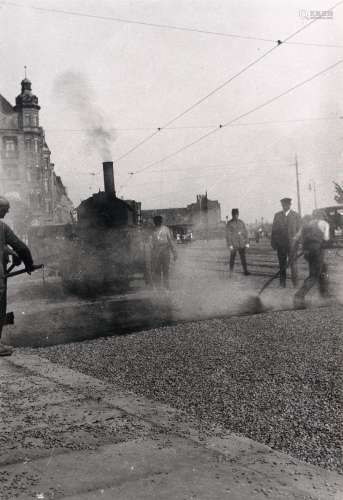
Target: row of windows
point(10, 174)
point(30, 120)
point(10, 146)
point(32, 175)
point(32, 145)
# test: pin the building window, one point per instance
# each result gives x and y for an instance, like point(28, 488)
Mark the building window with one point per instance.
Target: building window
point(12, 174)
point(36, 173)
point(35, 145)
point(36, 200)
point(27, 119)
point(10, 147)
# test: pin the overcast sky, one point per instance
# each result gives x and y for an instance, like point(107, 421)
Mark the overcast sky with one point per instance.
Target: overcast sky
point(132, 78)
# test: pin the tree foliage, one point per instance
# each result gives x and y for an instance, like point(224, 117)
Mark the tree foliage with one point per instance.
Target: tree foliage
point(339, 192)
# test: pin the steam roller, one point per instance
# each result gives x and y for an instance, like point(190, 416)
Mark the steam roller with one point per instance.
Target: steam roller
point(94, 277)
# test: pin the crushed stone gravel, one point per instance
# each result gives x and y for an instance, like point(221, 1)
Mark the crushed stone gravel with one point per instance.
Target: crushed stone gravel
point(276, 378)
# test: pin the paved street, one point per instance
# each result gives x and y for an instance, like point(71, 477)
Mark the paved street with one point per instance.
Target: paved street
point(70, 436)
point(196, 410)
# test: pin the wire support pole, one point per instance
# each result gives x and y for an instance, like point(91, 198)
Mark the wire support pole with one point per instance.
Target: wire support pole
point(298, 184)
point(314, 187)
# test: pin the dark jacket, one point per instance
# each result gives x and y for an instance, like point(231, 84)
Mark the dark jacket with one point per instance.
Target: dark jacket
point(7, 237)
point(236, 234)
point(284, 229)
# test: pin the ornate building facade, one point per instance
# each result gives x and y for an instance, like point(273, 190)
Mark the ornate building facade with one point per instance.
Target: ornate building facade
point(27, 177)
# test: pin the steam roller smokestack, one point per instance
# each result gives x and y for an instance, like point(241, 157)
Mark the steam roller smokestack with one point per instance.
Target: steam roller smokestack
point(108, 177)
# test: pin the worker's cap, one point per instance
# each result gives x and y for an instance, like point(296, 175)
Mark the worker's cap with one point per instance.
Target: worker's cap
point(4, 202)
point(320, 214)
point(158, 219)
point(286, 200)
point(235, 211)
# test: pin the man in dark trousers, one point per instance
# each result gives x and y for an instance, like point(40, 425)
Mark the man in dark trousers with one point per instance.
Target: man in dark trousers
point(9, 239)
point(237, 239)
point(161, 246)
point(314, 236)
point(286, 225)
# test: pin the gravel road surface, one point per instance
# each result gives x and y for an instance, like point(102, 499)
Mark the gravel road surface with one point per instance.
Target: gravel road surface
point(276, 378)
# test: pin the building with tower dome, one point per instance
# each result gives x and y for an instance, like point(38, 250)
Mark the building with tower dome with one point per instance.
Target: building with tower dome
point(27, 177)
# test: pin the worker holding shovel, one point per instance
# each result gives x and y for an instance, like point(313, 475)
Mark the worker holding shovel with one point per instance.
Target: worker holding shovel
point(21, 253)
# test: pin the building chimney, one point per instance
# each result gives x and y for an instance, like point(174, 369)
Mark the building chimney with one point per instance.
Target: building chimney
point(108, 177)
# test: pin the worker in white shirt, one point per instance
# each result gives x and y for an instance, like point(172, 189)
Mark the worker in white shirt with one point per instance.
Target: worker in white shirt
point(237, 239)
point(161, 246)
point(314, 236)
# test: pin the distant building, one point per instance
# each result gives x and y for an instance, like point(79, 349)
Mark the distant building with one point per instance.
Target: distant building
point(27, 177)
point(199, 216)
point(205, 211)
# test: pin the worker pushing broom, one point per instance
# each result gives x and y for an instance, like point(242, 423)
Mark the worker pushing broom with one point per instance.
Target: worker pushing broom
point(313, 235)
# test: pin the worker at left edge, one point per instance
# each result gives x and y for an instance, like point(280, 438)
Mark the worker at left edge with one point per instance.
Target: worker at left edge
point(10, 246)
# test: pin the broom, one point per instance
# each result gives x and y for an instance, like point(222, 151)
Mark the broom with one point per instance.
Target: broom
point(255, 304)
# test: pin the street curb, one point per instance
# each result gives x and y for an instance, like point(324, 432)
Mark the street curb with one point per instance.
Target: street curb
point(238, 450)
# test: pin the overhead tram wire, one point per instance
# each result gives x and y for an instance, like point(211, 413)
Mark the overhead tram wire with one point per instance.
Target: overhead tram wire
point(162, 26)
point(200, 174)
point(190, 127)
point(216, 166)
point(150, 136)
point(210, 168)
point(141, 23)
point(220, 87)
point(243, 115)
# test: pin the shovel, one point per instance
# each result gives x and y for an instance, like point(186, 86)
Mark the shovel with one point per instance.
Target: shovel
point(11, 273)
point(9, 318)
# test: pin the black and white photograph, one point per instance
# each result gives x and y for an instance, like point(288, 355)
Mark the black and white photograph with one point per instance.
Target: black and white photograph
point(171, 250)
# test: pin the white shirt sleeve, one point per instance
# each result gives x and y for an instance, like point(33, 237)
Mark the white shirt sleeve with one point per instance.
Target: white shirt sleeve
point(325, 228)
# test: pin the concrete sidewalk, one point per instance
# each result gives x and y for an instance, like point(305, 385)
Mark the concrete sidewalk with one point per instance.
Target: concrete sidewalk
point(67, 435)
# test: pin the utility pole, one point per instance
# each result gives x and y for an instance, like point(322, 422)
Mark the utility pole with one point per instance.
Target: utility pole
point(315, 195)
point(298, 188)
point(313, 186)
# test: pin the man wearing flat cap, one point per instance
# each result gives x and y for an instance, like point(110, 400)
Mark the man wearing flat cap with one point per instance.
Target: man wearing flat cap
point(286, 225)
